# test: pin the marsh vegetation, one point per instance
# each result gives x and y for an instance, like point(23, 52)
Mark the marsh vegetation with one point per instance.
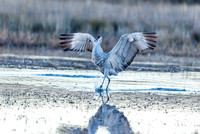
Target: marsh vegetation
point(32, 23)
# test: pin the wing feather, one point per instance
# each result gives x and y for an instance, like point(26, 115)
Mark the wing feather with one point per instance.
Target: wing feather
point(122, 55)
point(77, 42)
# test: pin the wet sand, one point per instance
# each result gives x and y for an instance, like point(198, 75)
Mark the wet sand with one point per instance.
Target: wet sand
point(45, 110)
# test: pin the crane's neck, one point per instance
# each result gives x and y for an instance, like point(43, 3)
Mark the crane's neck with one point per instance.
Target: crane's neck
point(97, 48)
point(97, 53)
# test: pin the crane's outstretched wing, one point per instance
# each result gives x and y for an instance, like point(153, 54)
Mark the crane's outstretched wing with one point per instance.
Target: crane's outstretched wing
point(127, 47)
point(77, 42)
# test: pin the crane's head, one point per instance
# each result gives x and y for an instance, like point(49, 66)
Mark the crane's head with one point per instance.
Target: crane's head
point(98, 39)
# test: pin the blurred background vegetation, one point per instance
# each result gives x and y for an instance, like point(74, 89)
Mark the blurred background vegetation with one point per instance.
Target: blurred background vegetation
point(36, 24)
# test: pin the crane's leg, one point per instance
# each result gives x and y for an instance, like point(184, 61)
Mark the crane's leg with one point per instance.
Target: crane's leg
point(100, 88)
point(103, 81)
point(107, 90)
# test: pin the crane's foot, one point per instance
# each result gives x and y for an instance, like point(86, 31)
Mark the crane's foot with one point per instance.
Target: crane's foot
point(100, 90)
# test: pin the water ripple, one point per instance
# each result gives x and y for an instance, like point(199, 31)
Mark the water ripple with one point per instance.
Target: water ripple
point(70, 76)
point(155, 89)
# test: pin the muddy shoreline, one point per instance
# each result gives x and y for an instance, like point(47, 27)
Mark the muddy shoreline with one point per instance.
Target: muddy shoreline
point(136, 100)
point(142, 63)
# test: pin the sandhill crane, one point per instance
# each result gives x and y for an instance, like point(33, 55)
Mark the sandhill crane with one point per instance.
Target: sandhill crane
point(118, 59)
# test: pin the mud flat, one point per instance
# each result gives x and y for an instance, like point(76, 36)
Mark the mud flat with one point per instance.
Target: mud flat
point(56, 101)
point(36, 110)
point(71, 61)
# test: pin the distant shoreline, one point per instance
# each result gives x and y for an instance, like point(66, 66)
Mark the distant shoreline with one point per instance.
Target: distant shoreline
point(70, 60)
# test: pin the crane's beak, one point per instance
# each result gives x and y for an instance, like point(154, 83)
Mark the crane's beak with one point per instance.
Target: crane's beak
point(95, 39)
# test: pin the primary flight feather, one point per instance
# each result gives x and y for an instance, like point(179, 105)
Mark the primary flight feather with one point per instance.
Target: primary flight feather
point(118, 59)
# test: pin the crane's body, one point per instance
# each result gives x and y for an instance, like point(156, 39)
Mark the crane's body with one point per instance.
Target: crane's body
point(118, 59)
point(98, 56)
point(100, 59)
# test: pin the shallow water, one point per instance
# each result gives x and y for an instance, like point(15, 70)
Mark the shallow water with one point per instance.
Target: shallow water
point(86, 80)
point(23, 113)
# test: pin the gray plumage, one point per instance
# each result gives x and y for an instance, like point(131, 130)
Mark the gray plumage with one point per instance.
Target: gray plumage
point(118, 59)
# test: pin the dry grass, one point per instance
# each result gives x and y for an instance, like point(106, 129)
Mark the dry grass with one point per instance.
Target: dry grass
point(38, 23)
